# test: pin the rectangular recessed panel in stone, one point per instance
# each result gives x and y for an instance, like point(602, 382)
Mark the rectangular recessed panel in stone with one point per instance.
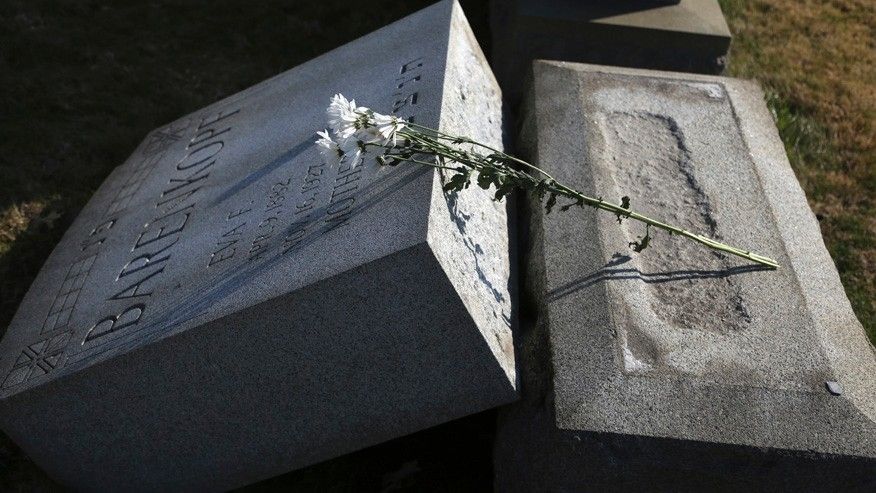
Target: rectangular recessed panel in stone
point(228, 307)
point(681, 367)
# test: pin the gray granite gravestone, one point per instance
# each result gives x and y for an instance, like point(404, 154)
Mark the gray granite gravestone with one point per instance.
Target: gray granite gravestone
point(679, 368)
point(228, 307)
point(685, 35)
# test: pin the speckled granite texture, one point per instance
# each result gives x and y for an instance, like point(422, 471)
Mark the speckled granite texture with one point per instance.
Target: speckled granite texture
point(679, 368)
point(227, 307)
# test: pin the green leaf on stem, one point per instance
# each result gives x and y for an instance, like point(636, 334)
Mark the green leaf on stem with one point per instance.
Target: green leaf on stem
point(579, 203)
point(503, 189)
point(485, 178)
point(551, 202)
point(625, 204)
point(643, 242)
point(457, 182)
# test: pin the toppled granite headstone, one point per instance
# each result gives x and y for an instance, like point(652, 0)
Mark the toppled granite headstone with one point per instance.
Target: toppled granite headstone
point(228, 307)
point(679, 368)
point(685, 35)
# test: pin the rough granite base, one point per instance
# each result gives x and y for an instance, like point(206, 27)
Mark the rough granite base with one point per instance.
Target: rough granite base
point(679, 368)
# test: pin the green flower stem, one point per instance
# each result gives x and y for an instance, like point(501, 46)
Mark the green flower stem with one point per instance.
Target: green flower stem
point(498, 169)
point(672, 230)
point(466, 140)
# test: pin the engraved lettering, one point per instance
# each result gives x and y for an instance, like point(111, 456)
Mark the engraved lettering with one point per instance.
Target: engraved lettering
point(401, 84)
point(341, 197)
point(133, 290)
point(210, 133)
point(227, 247)
point(141, 262)
point(407, 67)
point(347, 178)
point(312, 180)
point(188, 180)
point(97, 231)
point(162, 233)
point(409, 100)
point(172, 203)
point(128, 317)
point(213, 147)
point(177, 209)
point(306, 204)
point(294, 236)
point(239, 212)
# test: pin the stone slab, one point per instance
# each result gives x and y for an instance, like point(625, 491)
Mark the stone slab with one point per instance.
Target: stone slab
point(679, 368)
point(686, 36)
point(227, 307)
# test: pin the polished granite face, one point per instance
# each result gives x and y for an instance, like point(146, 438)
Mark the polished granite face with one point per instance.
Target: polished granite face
point(229, 293)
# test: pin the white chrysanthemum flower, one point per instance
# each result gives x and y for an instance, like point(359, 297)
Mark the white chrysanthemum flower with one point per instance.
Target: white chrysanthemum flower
point(388, 126)
point(369, 135)
point(344, 117)
point(329, 149)
point(353, 149)
point(357, 127)
point(350, 121)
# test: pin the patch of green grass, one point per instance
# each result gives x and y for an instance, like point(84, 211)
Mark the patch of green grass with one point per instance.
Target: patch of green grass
point(805, 139)
point(816, 63)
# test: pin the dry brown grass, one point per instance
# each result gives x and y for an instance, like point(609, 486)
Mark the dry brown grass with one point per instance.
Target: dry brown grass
point(17, 218)
point(817, 60)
